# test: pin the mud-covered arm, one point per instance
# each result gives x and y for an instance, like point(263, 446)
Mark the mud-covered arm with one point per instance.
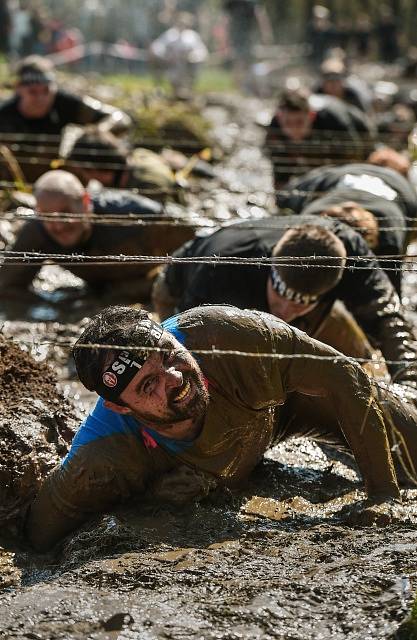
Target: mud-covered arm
point(107, 463)
point(266, 381)
point(106, 117)
point(70, 495)
point(352, 400)
point(370, 296)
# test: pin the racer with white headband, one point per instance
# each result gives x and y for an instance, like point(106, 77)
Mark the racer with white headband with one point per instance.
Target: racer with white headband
point(303, 295)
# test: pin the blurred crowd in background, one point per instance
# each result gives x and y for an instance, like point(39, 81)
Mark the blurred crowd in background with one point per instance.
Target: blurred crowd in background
point(229, 28)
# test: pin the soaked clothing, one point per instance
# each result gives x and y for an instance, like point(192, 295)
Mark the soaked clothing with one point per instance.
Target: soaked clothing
point(149, 172)
point(104, 240)
point(66, 109)
point(380, 190)
point(252, 406)
point(117, 202)
point(340, 133)
point(367, 293)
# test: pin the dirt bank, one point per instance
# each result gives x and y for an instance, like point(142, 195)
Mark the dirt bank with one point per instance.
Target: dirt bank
point(36, 424)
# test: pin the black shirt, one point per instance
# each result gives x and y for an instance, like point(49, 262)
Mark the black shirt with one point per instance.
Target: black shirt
point(367, 293)
point(66, 109)
point(380, 190)
point(245, 286)
point(117, 202)
point(39, 138)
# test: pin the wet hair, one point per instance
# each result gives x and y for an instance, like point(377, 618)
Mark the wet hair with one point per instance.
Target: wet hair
point(100, 151)
point(307, 241)
point(387, 157)
point(294, 100)
point(35, 69)
point(117, 325)
point(355, 216)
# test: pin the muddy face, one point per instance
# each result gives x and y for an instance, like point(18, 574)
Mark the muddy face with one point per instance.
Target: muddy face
point(68, 232)
point(168, 394)
point(296, 125)
point(36, 100)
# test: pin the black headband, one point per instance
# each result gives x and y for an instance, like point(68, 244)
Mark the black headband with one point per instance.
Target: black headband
point(36, 76)
point(281, 287)
point(126, 364)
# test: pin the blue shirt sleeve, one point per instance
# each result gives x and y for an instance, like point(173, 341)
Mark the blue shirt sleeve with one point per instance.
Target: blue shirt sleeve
point(101, 423)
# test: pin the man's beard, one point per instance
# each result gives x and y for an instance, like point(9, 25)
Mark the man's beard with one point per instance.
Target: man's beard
point(194, 409)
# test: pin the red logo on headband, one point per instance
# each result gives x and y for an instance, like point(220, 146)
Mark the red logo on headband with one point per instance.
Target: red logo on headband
point(109, 379)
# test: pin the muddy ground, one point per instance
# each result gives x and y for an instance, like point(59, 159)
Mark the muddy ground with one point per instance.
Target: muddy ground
point(273, 561)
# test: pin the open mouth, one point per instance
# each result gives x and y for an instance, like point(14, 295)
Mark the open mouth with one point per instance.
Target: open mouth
point(183, 394)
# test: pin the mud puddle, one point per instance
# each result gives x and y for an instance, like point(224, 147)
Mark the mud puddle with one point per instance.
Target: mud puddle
point(227, 568)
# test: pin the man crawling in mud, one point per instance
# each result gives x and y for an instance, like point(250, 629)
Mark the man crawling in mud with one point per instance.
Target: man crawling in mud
point(173, 407)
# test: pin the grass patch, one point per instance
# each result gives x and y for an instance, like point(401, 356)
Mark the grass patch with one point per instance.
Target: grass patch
point(209, 80)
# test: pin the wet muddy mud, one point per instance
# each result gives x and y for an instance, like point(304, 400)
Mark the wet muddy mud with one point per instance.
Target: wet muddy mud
point(274, 560)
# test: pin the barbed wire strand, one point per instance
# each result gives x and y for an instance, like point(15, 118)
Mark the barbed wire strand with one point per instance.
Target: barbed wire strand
point(214, 351)
point(162, 219)
point(28, 258)
point(7, 186)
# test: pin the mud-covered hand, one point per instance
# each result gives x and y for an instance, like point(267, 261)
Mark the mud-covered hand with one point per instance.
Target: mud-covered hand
point(378, 513)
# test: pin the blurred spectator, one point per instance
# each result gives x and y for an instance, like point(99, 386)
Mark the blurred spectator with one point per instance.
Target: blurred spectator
point(245, 18)
point(343, 33)
point(387, 35)
point(362, 35)
point(20, 29)
point(409, 64)
point(180, 50)
point(92, 19)
point(320, 33)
